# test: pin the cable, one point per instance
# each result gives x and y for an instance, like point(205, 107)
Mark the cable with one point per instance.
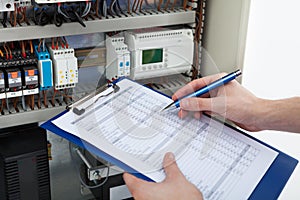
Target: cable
point(2, 105)
point(44, 18)
point(61, 42)
point(53, 97)
point(119, 8)
point(15, 102)
point(52, 43)
point(56, 46)
point(39, 101)
point(104, 8)
point(57, 18)
point(159, 5)
point(173, 5)
point(134, 5)
point(6, 51)
point(167, 5)
point(25, 17)
point(4, 20)
point(184, 4)
point(141, 4)
point(45, 98)
point(111, 7)
point(66, 42)
point(60, 11)
point(44, 47)
point(128, 7)
point(87, 9)
point(97, 8)
point(31, 46)
point(10, 52)
point(39, 46)
point(23, 49)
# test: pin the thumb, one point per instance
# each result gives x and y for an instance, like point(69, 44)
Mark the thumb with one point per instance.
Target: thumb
point(131, 181)
point(197, 104)
point(170, 166)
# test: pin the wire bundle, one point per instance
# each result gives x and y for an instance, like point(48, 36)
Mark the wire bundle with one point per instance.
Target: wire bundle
point(74, 12)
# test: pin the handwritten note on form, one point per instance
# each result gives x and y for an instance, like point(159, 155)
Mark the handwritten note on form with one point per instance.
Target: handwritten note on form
point(129, 126)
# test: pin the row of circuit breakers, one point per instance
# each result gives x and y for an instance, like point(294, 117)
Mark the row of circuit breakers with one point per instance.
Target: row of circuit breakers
point(28, 72)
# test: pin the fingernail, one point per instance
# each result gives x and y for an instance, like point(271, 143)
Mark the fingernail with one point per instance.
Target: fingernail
point(170, 156)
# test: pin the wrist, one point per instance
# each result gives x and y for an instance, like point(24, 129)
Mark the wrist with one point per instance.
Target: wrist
point(274, 114)
point(262, 109)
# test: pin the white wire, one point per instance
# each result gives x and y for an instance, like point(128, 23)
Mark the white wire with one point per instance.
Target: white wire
point(104, 8)
point(87, 9)
point(44, 45)
point(61, 12)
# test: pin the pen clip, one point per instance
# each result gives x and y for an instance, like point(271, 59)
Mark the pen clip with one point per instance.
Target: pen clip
point(77, 111)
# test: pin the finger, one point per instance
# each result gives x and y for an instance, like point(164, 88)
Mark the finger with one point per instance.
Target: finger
point(197, 104)
point(197, 115)
point(195, 85)
point(170, 166)
point(182, 113)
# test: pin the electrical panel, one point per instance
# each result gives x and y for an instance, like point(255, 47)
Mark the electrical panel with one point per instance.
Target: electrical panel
point(38, 68)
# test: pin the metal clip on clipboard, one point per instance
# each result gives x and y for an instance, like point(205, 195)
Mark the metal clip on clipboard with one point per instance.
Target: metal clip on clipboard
point(74, 106)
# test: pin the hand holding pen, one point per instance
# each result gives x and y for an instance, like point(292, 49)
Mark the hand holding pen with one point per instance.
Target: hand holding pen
point(207, 88)
point(231, 101)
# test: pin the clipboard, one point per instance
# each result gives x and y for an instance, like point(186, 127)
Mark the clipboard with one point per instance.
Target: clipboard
point(269, 187)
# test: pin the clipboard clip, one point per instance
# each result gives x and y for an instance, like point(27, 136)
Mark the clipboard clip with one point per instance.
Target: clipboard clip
point(77, 111)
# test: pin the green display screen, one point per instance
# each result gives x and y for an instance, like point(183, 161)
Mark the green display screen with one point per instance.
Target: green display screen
point(152, 56)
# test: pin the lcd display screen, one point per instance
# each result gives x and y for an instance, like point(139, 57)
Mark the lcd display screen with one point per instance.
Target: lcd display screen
point(152, 56)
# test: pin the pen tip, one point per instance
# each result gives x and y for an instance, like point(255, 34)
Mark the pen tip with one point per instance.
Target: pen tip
point(168, 106)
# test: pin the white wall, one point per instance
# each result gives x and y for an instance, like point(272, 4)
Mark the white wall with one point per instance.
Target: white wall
point(272, 68)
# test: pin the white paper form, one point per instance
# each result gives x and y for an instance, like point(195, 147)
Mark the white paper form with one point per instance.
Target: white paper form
point(129, 126)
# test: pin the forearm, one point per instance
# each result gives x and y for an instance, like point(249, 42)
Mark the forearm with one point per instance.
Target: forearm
point(281, 115)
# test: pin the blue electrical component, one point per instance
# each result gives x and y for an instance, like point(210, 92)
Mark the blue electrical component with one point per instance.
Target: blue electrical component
point(45, 68)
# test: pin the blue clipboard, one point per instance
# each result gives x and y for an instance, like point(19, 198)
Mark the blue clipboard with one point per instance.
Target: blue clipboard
point(269, 187)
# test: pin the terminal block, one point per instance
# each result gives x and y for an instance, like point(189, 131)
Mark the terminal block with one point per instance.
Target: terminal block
point(13, 82)
point(117, 58)
point(2, 85)
point(65, 67)
point(45, 68)
point(30, 80)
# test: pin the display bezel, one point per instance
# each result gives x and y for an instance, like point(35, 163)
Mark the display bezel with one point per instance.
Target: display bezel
point(159, 60)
